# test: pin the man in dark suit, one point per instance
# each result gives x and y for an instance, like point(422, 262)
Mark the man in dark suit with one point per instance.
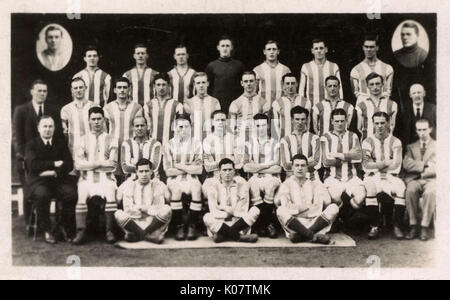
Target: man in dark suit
point(25, 121)
point(417, 109)
point(420, 166)
point(49, 162)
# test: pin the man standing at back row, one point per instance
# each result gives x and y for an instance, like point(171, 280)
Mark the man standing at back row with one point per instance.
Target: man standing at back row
point(269, 74)
point(225, 73)
point(313, 74)
point(181, 75)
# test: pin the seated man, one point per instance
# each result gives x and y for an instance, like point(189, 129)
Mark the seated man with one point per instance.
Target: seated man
point(341, 150)
point(305, 210)
point(145, 214)
point(262, 159)
point(420, 166)
point(49, 163)
point(96, 160)
point(183, 164)
point(382, 161)
point(228, 201)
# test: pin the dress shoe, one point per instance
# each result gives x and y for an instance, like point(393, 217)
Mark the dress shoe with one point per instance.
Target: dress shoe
point(180, 234)
point(219, 238)
point(248, 238)
point(424, 234)
point(152, 239)
point(49, 238)
point(272, 231)
point(297, 238)
point(398, 233)
point(80, 238)
point(64, 236)
point(321, 239)
point(131, 237)
point(262, 232)
point(413, 233)
point(192, 233)
point(110, 237)
point(374, 233)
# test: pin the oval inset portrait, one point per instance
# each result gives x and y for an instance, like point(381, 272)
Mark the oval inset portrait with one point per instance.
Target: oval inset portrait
point(410, 44)
point(54, 47)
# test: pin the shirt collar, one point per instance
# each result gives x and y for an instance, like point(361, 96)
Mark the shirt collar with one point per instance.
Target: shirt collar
point(47, 140)
point(233, 183)
point(36, 106)
point(418, 106)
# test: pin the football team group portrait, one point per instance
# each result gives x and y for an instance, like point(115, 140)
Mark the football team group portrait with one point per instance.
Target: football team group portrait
point(227, 128)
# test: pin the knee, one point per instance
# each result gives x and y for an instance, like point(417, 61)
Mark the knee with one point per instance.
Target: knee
point(335, 194)
point(331, 212)
point(121, 216)
point(283, 215)
point(41, 194)
point(254, 213)
point(429, 193)
point(208, 219)
point(165, 213)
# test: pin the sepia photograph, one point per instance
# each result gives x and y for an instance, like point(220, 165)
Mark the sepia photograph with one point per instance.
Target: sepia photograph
point(283, 139)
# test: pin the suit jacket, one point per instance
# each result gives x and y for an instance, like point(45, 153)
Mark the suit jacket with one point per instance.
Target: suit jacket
point(407, 131)
point(413, 163)
point(39, 159)
point(25, 121)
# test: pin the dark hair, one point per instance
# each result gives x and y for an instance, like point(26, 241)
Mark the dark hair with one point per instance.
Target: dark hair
point(91, 48)
point(77, 79)
point(317, 40)
point(200, 74)
point(182, 116)
point(424, 120)
point(300, 157)
point(45, 117)
point(411, 25)
point(338, 112)
point(140, 45)
point(180, 46)
point(144, 162)
point(53, 28)
point(381, 114)
point(299, 110)
point(163, 76)
point(122, 79)
point(272, 42)
point(216, 112)
point(288, 75)
point(226, 161)
point(248, 73)
point(37, 81)
point(332, 77)
point(373, 75)
point(96, 110)
point(371, 37)
point(261, 116)
point(225, 37)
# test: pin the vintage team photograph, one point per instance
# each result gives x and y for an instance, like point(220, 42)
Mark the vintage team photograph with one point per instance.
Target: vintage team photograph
point(224, 140)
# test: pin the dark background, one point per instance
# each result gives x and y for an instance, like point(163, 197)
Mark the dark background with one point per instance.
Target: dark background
point(115, 34)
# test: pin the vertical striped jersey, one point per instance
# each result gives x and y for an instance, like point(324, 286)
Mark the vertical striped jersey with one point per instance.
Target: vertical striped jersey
point(246, 108)
point(270, 80)
point(189, 152)
point(360, 71)
point(281, 110)
point(375, 150)
point(160, 118)
point(141, 84)
point(132, 152)
point(200, 111)
point(96, 149)
point(332, 143)
point(136, 195)
point(216, 148)
point(98, 85)
point(182, 84)
point(312, 80)
point(77, 122)
point(322, 115)
point(267, 153)
point(366, 108)
point(307, 144)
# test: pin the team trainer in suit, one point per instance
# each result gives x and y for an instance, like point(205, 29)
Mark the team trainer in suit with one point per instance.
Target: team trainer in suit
point(49, 162)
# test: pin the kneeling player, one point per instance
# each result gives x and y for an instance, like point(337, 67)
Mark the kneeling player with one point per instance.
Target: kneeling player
point(183, 164)
point(262, 159)
point(382, 161)
point(341, 150)
point(228, 200)
point(145, 214)
point(305, 210)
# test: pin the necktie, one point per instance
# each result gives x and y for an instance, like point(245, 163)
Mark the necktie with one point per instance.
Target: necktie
point(418, 116)
point(48, 145)
point(40, 113)
point(423, 149)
